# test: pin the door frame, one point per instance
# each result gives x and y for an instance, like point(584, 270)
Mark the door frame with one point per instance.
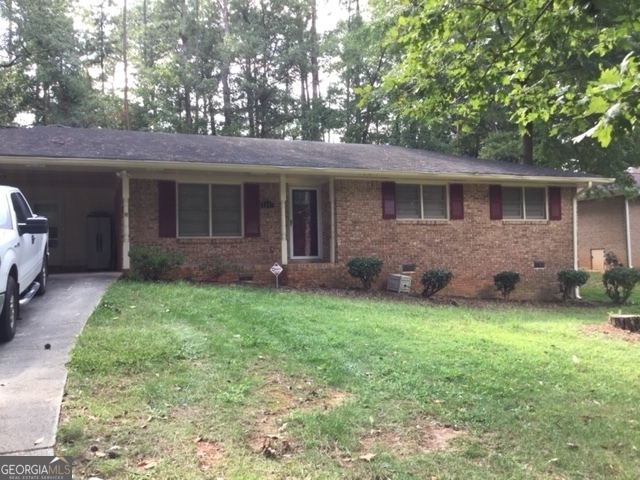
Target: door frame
point(318, 219)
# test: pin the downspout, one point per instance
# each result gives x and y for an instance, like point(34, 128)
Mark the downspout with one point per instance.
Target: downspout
point(628, 230)
point(283, 220)
point(125, 219)
point(576, 293)
point(332, 240)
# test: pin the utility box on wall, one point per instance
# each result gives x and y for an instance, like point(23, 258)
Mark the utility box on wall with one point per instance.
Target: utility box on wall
point(99, 242)
point(399, 283)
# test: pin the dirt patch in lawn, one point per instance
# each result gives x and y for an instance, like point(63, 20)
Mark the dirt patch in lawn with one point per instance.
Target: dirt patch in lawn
point(208, 454)
point(606, 329)
point(281, 396)
point(421, 437)
point(418, 436)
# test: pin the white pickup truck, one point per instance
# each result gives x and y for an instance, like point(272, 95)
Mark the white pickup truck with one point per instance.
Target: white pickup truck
point(23, 257)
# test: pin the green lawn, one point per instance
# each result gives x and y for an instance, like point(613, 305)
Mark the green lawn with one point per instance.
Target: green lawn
point(185, 381)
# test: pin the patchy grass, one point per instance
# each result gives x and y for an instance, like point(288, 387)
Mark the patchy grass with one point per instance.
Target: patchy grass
point(182, 381)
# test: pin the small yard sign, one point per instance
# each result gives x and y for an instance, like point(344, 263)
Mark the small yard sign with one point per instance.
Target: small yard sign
point(276, 270)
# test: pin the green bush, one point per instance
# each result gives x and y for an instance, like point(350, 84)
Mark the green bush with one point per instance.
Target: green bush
point(214, 267)
point(619, 283)
point(435, 280)
point(366, 269)
point(570, 279)
point(505, 282)
point(150, 262)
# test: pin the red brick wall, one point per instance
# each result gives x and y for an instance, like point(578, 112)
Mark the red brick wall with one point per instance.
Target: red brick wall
point(245, 253)
point(474, 249)
point(601, 225)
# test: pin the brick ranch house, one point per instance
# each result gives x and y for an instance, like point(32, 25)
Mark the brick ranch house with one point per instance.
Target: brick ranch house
point(609, 222)
point(309, 206)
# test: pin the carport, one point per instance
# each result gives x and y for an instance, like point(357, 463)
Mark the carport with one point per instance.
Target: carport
point(82, 207)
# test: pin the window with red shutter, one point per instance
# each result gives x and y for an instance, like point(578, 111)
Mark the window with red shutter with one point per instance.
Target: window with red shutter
point(251, 210)
point(555, 203)
point(495, 202)
point(388, 200)
point(166, 209)
point(456, 202)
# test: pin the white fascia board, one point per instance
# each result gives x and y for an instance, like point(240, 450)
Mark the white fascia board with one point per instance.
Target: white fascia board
point(140, 168)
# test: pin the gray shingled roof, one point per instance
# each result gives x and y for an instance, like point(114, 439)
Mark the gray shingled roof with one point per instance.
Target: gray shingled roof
point(103, 144)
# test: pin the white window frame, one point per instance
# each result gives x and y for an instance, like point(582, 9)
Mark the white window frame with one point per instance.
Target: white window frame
point(210, 216)
point(523, 204)
point(421, 190)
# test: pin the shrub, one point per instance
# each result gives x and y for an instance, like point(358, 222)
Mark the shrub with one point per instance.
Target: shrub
point(214, 267)
point(149, 262)
point(435, 280)
point(619, 283)
point(570, 279)
point(505, 282)
point(366, 269)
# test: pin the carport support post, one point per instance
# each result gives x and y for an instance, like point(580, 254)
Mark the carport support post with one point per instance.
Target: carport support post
point(283, 220)
point(125, 219)
point(332, 199)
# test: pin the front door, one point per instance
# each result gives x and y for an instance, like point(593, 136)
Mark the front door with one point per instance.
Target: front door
point(305, 227)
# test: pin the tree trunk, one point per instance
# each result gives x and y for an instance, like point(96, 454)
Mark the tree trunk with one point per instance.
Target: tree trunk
point(250, 90)
point(184, 53)
point(225, 72)
point(212, 115)
point(625, 322)
point(526, 153)
point(127, 124)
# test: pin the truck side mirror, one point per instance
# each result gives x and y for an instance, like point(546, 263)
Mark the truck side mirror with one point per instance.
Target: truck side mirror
point(34, 225)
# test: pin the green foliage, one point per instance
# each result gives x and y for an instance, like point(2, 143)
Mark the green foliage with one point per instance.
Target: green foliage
point(213, 267)
point(435, 280)
point(569, 280)
point(614, 98)
point(150, 262)
point(505, 282)
point(535, 59)
point(620, 282)
point(366, 269)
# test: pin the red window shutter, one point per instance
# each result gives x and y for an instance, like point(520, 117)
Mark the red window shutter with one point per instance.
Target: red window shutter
point(388, 200)
point(555, 202)
point(456, 202)
point(166, 209)
point(495, 202)
point(251, 210)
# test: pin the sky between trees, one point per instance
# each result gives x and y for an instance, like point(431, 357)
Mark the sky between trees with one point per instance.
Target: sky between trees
point(514, 80)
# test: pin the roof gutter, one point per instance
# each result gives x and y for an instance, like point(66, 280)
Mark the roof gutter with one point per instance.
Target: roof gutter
point(579, 192)
point(348, 173)
point(627, 222)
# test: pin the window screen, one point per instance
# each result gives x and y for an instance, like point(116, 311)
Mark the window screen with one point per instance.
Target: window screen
point(407, 201)
point(193, 210)
point(226, 210)
point(434, 201)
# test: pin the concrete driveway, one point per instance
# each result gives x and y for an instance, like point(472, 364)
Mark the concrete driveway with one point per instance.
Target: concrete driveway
point(32, 378)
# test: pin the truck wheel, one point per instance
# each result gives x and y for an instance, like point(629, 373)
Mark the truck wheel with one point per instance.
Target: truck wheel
point(42, 277)
point(9, 312)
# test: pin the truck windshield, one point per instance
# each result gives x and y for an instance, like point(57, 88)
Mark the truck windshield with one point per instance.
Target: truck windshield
point(5, 214)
